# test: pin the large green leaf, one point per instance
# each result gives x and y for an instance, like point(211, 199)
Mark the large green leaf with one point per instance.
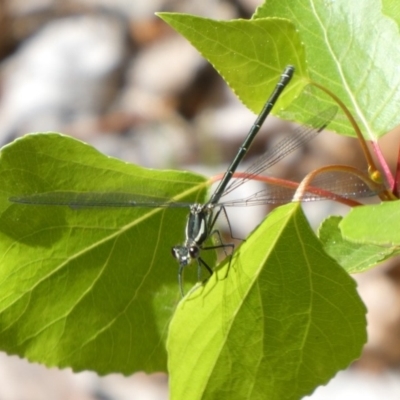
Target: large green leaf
point(283, 320)
point(249, 55)
point(353, 50)
point(87, 288)
point(329, 42)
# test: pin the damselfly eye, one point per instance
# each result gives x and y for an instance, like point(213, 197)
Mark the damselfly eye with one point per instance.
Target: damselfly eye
point(179, 252)
point(194, 251)
point(174, 252)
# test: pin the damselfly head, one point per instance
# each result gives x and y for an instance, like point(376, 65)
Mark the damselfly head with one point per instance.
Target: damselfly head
point(182, 254)
point(185, 254)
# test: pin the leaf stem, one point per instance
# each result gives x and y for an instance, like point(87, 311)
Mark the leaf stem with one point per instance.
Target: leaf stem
point(304, 186)
point(374, 173)
point(386, 170)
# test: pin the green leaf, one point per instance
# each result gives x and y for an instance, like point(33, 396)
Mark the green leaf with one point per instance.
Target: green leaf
point(353, 257)
point(249, 55)
point(375, 224)
point(283, 320)
point(89, 288)
point(353, 50)
point(391, 8)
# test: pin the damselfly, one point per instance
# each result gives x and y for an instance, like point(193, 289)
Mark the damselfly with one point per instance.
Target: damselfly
point(202, 217)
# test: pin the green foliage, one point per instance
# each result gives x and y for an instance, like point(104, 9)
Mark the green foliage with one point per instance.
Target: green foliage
point(95, 288)
point(383, 217)
point(348, 57)
point(330, 42)
point(354, 255)
point(280, 322)
point(87, 288)
point(249, 54)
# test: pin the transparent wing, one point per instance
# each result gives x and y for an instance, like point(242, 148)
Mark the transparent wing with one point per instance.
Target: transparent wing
point(300, 136)
point(94, 199)
point(326, 186)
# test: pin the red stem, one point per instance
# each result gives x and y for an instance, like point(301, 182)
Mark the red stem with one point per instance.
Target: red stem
point(385, 167)
point(374, 173)
point(292, 185)
point(396, 186)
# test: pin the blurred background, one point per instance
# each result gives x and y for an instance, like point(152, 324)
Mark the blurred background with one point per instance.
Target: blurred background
point(112, 74)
